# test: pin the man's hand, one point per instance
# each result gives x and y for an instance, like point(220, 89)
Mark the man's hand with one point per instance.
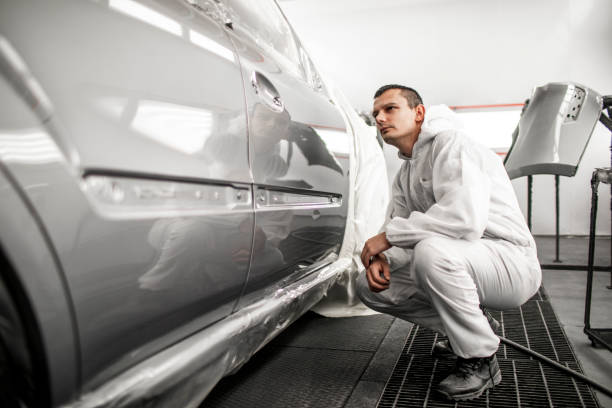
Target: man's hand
point(378, 274)
point(373, 247)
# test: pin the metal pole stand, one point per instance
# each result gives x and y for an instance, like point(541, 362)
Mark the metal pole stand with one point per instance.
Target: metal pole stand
point(557, 260)
point(607, 122)
point(529, 199)
point(602, 119)
point(597, 336)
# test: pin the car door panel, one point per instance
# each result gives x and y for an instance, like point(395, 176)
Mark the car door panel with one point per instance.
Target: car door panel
point(152, 218)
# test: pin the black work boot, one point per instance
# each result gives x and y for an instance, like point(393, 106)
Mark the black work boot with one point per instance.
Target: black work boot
point(471, 378)
point(443, 349)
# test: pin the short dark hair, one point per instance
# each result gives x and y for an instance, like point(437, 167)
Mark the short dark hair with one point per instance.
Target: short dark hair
point(411, 95)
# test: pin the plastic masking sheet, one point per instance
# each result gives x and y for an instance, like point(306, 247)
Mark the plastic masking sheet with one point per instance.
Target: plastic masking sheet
point(368, 201)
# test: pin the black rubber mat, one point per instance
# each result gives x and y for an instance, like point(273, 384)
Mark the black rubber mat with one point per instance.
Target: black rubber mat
point(286, 377)
point(526, 382)
point(315, 363)
point(315, 331)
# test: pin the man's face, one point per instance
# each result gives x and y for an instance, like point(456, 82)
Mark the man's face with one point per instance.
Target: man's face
point(394, 118)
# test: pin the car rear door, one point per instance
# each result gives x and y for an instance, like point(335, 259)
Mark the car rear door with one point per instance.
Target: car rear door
point(299, 149)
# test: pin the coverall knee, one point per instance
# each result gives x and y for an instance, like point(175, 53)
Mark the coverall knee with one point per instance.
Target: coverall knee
point(446, 282)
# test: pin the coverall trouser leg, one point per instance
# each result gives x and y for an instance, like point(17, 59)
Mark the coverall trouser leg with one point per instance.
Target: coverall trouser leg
point(446, 282)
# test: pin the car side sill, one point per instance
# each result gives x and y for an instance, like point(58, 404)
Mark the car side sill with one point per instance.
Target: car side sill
point(185, 373)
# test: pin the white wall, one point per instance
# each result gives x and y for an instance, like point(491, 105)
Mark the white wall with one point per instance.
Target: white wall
point(472, 52)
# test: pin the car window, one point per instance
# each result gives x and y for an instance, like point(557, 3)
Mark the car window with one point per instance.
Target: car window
point(266, 24)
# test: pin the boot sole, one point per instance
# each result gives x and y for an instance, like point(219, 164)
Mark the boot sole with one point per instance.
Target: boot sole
point(474, 394)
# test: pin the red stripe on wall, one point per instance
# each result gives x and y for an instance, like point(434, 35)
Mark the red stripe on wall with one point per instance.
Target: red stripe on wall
point(499, 105)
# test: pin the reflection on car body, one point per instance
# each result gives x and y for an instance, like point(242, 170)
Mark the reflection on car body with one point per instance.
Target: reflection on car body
point(174, 180)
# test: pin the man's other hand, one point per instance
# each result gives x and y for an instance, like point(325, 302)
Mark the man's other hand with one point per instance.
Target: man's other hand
point(378, 274)
point(373, 247)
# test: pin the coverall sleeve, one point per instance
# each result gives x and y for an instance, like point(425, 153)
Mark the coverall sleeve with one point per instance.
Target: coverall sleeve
point(398, 203)
point(397, 257)
point(461, 190)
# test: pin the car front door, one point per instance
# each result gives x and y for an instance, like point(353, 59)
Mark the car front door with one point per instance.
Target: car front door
point(152, 220)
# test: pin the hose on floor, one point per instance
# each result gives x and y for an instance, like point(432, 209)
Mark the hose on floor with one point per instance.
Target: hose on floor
point(577, 375)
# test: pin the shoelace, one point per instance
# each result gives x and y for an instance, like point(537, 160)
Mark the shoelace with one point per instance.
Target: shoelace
point(466, 367)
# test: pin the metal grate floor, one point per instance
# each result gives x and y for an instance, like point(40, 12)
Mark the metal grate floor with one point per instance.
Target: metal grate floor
point(526, 382)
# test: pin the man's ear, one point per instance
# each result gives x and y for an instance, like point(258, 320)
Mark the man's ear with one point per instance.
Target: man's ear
point(420, 113)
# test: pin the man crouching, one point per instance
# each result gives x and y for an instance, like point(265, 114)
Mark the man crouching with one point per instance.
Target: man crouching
point(456, 240)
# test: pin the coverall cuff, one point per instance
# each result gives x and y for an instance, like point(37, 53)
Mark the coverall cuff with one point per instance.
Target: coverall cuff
point(395, 232)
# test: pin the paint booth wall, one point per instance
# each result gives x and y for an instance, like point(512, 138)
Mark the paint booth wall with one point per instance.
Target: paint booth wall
point(473, 52)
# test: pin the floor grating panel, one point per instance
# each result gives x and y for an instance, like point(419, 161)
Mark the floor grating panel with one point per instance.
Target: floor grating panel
point(526, 382)
point(281, 377)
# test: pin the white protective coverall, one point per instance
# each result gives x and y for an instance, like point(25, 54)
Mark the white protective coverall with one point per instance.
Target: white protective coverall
point(459, 239)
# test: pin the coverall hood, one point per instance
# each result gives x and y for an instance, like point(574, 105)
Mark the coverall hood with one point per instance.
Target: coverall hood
point(438, 118)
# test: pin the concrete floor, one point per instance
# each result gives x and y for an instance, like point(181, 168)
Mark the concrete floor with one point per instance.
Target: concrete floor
point(567, 295)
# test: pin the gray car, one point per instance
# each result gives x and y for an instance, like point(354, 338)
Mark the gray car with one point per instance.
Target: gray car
point(174, 192)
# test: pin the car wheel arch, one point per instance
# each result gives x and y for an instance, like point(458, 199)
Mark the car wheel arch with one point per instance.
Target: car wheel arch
point(21, 349)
